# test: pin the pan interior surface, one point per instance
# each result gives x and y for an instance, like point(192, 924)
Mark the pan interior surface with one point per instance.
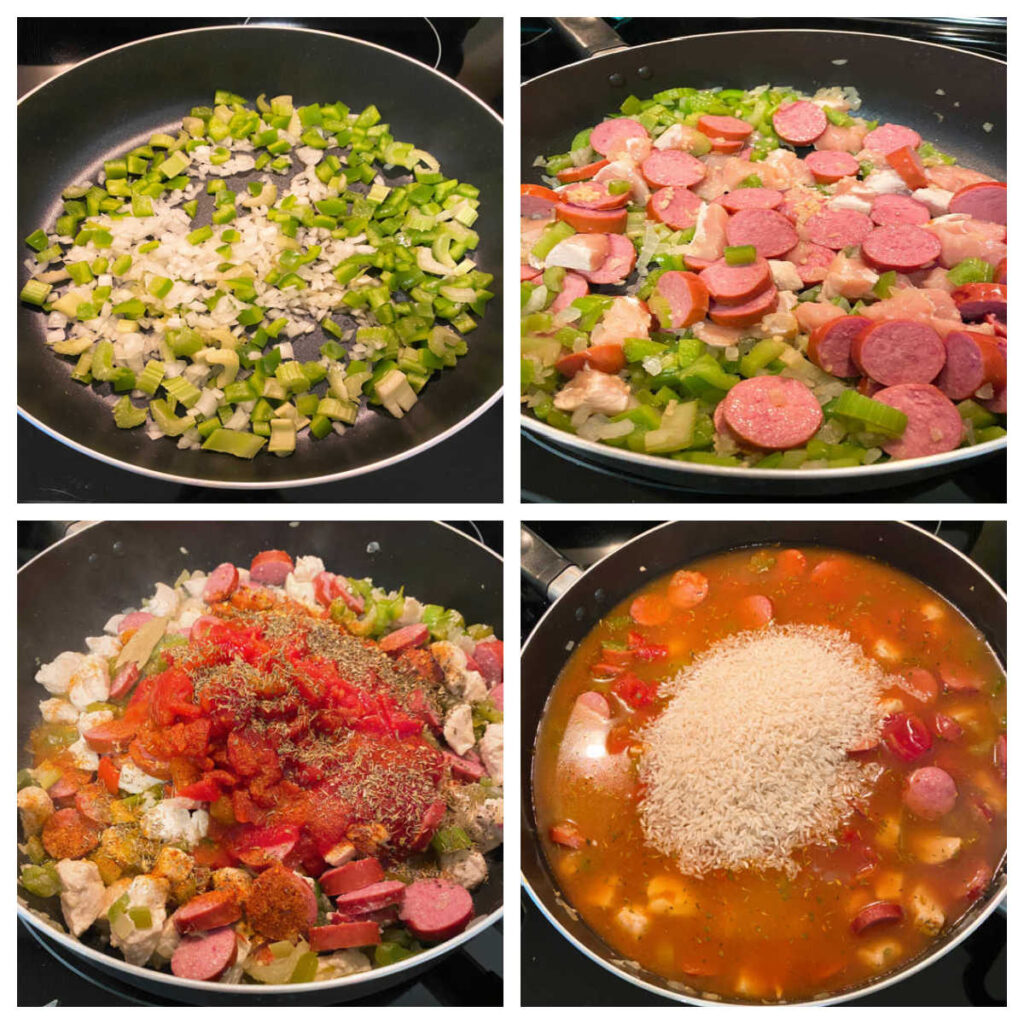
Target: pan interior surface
point(171, 74)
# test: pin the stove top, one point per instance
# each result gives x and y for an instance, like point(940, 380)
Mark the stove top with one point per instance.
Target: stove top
point(48, 975)
point(550, 475)
point(555, 973)
point(468, 50)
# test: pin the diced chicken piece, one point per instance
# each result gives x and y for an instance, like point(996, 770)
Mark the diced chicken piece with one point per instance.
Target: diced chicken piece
point(925, 912)
point(105, 646)
point(952, 178)
point(168, 943)
point(237, 880)
point(467, 868)
point(890, 705)
point(879, 954)
point(813, 314)
point(889, 886)
point(601, 392)
point(848, 276)
point(887, 650)
point(173, 864)
point(724, 173)
point(888, 833)
point(717, 335)
point(932, 611)
point(749, 984)
point(626, 170)
point(134, 780)
point(458, 729)
point(81, 895)
point(83, 756)
point(626, 317)
point(90, 681)
point(492, 747)
point(936, 849)
point(604, 892)
point(681, 136)
point(783, 169)
point(137, 944)
point(934, 279)
point(936, 199)
point(850, 201)
point(963, 237)
point(584, 252)
point(785, 276)
point(885, 181)
point(113, 893)
point(340, 853)
point(56, 676)
point(708, 241)
point(636, 148)
point(634, 922)
point(56, 711)
point(164, 602)
point(35, 808)
point(781, 322)
point(669, 896)
point(90, 719)
point(530, 231)
point(458, 678)
point(909, 303)
point(831, 96)
point(849, 139)
point(341, 964)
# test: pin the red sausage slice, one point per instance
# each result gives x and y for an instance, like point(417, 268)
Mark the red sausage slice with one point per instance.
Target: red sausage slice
point(876, 913)
point(133, 620)
point(829, 165)
point(772, 413)
point(574, 286)
point(829, 345)
point(582, 173)
point(665, 167)
point(1001, 271)
point(748, 313)
point(567, 834)
point(930, 793)
point(959, 679)
point(347, 935)
point(984, 200)
point(435, 909)
point(888, 210)
point(933, 423)
point(221, 583)
point(903, 247)
point(977, 300)
point(889, 137)
point(724, 127)
point(920, 684)
point(768, 231)
point(899, 352)
point(599, 221)
point(734, 285)
point(127, 676)
point(755, 611)
point(751, 199)
point(207, 911)
point(356, 874)
point(676, 207)
point(836, 229)
point(799, 123)
point(536, 202)
point(972, 360)
point(907, 164)
point(618, 264)
point(371, 897)
point(205, 957)
point(606, 358)
point(271, 568)
point(610, 136)
point(593, 195)
point(490, 656)
point(947, 728)
point(404, 638)
point(725, 145)
point(463, 768)
point(811, 261)
point(679, 299)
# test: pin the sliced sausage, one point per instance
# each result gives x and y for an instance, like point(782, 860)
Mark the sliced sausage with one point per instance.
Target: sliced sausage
point(977, 300)
point(890, 209)
point(610, 137)
point(920, 684)
point(435, 909)
point(1000, 275)
point(221, 583)
point(751, 199)
point(829, 165)
point(972, 360)
point(836, 229)
point(734, 285)
point(133, 620)
point(947, 728)
point(464, 769)
point(933, 423)
point(901, 247)
point(899, 352)
point(672, 167)
point(727, 146)
point(748, 313)
point(125, 678)
point(884, 912)
point(724, 127)
point(356, 874)
point(676, 207)
point(755, 611)
point(574, 286)
point(567, 834)
point(959, 679)
point(581, 173)
point(772, 413)
point(280, 905)
point(593, 195)
point(405, 637)
point(930, 793)
point(68, 834)
point(347, 935)
point(811, 261)
point(889, 137)
point(768, 231)
point(608, 358)
point(271, 568)
point(679, 299)
point(602, 221)
point(829, 345)
point(618, 264)
point(490, 656)
point(907, 164)
point(370, 897)
point(536, 202)
point(799, 123)
point(206, 911)
point(205, 957)
point(984, 200)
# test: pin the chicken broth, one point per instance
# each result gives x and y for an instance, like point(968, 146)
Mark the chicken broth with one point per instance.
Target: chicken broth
point(909, 853)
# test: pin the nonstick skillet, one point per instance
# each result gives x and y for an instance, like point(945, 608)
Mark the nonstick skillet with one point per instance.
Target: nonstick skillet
point(68, 591)
point(580, 599)
point(99, 108)
point(949, 95)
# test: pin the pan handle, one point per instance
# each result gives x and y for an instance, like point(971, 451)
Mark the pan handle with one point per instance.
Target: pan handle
point(543, 567)
point(589, 36)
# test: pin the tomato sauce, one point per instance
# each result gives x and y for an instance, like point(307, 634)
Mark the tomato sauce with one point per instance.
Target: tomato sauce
point(885, 887)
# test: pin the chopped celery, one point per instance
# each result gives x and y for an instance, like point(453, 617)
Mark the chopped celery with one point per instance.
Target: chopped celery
point(234, 442)
point(127, 415)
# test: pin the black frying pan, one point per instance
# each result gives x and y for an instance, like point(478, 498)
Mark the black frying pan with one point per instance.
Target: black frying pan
point(69, 591)
point(581, 599)
point(898, 80)
point(67, 127)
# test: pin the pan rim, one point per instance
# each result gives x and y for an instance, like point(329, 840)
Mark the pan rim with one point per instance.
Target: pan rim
point(992, 904)
point(32, 921)
point(266, 485)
